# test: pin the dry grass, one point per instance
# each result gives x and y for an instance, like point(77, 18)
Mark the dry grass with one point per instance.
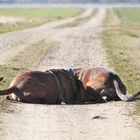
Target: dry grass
point(31, 56)
point(79, 21)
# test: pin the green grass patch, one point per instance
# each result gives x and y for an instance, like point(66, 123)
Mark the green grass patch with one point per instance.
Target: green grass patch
point(8, 73)
point(34, 16)
point(40, 12)
point(122, 46)
point(129, 16)
point(121, 56)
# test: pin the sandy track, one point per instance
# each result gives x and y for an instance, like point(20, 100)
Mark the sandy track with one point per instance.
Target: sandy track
point(77, 47)
point(69, 122)
point(73, 47)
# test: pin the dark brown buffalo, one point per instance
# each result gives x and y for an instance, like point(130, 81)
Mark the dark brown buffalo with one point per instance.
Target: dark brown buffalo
point(102, 82)
point(50, 87)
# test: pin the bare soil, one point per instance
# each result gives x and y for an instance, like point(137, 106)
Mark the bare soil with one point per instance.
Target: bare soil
point(79, 46)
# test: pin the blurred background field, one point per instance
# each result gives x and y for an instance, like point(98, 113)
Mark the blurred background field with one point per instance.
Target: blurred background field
point(12, 19)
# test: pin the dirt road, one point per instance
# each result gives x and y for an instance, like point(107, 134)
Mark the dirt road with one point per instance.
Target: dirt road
point(73, 47)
